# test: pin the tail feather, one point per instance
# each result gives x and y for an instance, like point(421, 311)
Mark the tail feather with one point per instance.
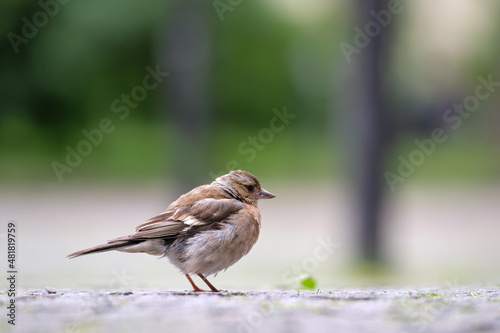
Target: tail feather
point(115, 245)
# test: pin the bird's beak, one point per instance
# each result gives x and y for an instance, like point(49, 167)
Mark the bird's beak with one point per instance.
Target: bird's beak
point(263, 194)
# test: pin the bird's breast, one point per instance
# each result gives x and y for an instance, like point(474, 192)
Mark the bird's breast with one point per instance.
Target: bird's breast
point(211, 251)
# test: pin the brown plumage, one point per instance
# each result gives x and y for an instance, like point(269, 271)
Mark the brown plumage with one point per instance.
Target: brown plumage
point(204, 231)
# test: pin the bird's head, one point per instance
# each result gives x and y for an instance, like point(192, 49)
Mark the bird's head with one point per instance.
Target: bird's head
point(242, 185)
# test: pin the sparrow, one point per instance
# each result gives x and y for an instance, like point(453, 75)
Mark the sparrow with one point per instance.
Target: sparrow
point(204, 231)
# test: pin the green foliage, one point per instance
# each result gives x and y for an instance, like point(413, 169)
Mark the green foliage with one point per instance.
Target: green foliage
point(64, 79)
point(307, 282)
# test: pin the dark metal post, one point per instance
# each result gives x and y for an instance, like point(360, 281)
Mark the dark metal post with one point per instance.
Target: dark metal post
point(373, 130)
point(184, 47)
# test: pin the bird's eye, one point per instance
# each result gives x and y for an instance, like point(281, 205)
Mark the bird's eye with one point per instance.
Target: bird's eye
point(250, 188)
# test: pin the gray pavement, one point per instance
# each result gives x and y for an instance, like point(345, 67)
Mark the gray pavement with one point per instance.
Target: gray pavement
point(433, 237)
point(366, 310)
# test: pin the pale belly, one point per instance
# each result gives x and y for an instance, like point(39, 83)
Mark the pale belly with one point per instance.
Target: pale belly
point(213, 251)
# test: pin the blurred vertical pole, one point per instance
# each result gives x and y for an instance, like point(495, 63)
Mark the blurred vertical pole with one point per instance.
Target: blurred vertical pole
point(184, 51)
point(372, 127)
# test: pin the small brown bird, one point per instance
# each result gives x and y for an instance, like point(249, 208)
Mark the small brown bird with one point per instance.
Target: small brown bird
point(204, 231)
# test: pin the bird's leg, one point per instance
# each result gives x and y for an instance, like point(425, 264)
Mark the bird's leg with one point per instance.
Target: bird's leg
point(215, 290)
point(195, 287)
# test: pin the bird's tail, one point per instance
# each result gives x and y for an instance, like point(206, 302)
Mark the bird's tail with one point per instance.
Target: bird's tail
point(113, 245)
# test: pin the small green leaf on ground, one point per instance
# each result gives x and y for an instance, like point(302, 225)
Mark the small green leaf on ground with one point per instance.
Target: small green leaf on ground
point(307, 282)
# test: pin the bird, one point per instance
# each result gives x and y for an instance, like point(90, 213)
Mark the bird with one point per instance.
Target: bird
point(204, 231)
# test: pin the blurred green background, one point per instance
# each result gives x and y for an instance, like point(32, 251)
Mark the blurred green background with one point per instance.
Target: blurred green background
point(65, 78)
point(262, 56)
point(233, 66)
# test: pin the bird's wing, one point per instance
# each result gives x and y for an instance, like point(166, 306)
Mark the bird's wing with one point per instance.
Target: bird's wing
point(202, 215)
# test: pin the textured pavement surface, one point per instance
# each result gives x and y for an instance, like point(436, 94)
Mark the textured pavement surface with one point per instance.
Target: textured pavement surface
point(443, 237)
point(366, 310)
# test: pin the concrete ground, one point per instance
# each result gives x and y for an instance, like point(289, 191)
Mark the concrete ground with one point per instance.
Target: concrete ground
point(348, 310)
point(443, 236)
